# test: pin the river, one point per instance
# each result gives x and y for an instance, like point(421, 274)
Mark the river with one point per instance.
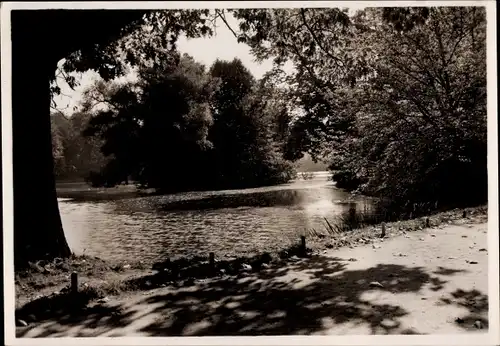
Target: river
point(231, 222)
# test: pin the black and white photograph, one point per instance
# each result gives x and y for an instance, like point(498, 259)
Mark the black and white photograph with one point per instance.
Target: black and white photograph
point(250, 169)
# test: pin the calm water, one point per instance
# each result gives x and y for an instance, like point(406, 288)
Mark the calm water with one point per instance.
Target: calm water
point(226, 222)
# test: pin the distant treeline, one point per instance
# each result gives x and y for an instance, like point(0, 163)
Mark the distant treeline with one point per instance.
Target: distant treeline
point(307, 164)
point(75, 156)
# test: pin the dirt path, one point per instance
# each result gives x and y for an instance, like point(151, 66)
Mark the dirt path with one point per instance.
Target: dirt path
point(413, 284)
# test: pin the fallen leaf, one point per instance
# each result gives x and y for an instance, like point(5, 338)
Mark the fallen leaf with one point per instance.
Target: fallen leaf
point(22, 323)
point(375, 284)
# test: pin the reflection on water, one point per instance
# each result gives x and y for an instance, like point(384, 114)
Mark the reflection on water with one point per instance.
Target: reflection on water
point(195, 223)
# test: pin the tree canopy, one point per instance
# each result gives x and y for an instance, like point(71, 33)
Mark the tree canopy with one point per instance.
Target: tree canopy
point(395, 98)
point(180, 127)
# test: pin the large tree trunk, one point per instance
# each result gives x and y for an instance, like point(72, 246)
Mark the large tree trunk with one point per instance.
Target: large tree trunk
point(36, 49)
point(38, 231)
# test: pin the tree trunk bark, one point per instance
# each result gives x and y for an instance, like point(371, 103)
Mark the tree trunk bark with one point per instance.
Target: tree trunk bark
point(38, 232)
point(36, 50)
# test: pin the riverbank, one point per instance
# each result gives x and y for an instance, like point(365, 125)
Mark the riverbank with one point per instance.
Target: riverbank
point(80, 190)
point(326, 239)
point(432, 282)
point(43, 289)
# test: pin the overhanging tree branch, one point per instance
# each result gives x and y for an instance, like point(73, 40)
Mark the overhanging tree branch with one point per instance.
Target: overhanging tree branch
point(222, 16)
point(316, 39)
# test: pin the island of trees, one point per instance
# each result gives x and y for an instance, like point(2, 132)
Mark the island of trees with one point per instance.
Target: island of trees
point(392, 99)
point(179, 127)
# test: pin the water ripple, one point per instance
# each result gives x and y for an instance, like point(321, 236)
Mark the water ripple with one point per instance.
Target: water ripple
point(196, 223)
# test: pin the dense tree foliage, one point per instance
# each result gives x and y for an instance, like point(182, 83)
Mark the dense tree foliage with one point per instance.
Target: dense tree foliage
point(75, 156)
point(155, 128)
point(245, 133)
point(395, 98)
point(180, 127)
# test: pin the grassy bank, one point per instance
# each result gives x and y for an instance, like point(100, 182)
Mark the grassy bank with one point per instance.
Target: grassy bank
point(334, 237)
point(44, 288)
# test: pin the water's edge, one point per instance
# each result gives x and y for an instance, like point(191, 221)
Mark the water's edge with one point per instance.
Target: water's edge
point(116, 224)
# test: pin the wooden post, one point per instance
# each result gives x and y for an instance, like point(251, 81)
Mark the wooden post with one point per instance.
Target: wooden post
point(383, 230)
point(74, 282)
point(303, 244)
point(211, 261)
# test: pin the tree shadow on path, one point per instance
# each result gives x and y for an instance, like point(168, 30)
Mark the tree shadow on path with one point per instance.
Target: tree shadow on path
point(304, 297)
point(476, 304)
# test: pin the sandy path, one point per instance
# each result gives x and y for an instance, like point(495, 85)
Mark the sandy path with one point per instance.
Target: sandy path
point(428, 279)
point(448, 256)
